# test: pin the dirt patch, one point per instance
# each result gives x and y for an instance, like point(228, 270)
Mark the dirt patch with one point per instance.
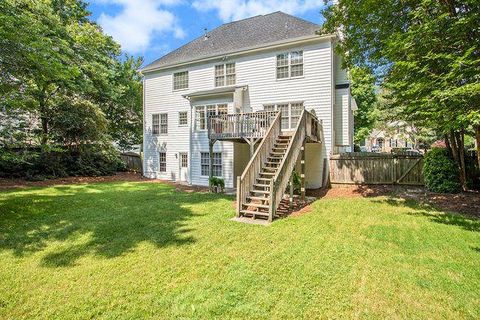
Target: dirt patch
point(467, 203)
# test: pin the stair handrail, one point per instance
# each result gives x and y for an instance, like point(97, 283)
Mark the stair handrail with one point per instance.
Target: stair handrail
point(252, 170)
point(281, 178)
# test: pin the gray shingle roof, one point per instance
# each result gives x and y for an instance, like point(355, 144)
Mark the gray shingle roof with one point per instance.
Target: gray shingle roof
point(239, 35)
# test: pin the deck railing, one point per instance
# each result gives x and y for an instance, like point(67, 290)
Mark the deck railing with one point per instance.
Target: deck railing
point(280, 181)
point(240, 125)
point(253, 168)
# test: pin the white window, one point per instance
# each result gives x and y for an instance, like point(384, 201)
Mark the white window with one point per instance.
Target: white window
point(182, 118)
point(290, 65)
point(225, 74)
point(205, 164)
point(162, 160)
point(155, 123)
point(163, 123)
point(180, 80)
point(203, 112)
point(290, 113)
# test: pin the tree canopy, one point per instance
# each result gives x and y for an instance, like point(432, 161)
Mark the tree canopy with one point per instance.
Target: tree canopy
point(424, 53)
point(60, 67)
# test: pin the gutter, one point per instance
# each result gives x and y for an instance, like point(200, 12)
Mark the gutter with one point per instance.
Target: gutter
point(247, 50)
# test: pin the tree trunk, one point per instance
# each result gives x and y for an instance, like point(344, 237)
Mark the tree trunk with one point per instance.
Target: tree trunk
point(477, 139)
point(457, 147)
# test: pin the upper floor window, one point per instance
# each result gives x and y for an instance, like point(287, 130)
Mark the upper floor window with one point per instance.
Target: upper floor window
point(225, 74)
point(180, 80)
point(182, 118)
point(290, 64)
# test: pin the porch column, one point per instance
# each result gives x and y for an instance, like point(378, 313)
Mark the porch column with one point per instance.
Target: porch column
point(210, 150)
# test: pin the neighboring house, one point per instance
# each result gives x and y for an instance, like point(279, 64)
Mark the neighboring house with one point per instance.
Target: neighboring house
point(236, 74)
point(393, 135)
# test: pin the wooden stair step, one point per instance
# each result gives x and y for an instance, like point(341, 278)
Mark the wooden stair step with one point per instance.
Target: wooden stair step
point(255, 213)
point(255, 205)
point(258, 198)
point(273, 152)
point(264, 179)
point(267, 173)
point(261, 185)
point(260, 191)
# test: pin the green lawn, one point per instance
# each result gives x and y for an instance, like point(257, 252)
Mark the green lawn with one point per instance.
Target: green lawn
point(144, 250)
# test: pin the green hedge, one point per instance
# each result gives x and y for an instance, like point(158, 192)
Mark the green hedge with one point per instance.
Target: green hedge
point(440, 172)
point(37, 164)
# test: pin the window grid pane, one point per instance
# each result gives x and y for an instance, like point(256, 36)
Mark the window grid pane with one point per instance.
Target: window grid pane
point(184, 160)
point(180, 80)
point(205, 164)
point(222, 109)
point(200, 118)
point(282, 72)
point(182, 118)
point(219, 70)
point(282, 60)
point(163, 123)
point(155, 123)
point(219, 81)
point(162, 159)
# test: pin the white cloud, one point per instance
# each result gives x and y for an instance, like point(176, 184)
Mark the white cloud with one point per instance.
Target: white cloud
point(229, 10)
point(138, 21)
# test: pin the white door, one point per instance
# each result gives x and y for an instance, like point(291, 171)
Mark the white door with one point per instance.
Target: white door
point(183, 158)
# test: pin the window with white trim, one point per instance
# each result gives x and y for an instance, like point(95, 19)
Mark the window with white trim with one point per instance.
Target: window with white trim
point(290, 65)
point(162, 161)
point(180, 80)
point(290, 113)
point(205, 164)
point(163, 123)
point(183, 118)
point(155, 123)
point(225, 74)
point(203, 112)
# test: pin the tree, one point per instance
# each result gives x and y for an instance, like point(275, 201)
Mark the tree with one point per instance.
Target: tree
point(51, 54)
point(426, 54)
point(363, 90)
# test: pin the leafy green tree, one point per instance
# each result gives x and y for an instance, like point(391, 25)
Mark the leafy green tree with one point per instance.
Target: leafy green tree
point(363, 90)
point(425, 53)
point(51, 53)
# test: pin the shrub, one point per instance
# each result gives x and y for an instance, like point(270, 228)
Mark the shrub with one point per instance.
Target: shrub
point(216, 182)
point(38, 164)
point(440, 172)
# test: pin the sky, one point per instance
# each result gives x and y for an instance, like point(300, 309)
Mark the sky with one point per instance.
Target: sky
point(152, 28)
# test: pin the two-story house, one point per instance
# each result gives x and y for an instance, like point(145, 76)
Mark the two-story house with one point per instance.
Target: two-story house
point(209, 105)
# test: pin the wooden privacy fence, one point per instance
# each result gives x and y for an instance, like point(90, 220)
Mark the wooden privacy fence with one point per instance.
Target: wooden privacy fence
point(361, 168)
point(133, 161)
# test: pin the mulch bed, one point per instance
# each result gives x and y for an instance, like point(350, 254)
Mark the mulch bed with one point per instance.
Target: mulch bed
point(467, 203)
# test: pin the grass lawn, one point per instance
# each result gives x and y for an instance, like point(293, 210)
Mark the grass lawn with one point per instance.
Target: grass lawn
point(144, 250)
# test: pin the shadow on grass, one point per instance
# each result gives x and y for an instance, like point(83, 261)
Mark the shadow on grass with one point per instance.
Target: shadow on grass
point(103, 219)
point(435, 215)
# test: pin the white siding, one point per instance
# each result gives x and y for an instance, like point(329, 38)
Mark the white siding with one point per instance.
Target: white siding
point(258, 71)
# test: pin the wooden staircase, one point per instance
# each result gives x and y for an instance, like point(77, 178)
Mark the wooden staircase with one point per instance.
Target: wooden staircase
point(262, 186)
point(259, 198)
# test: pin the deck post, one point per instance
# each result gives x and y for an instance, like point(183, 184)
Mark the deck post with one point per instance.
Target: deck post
point(302, 172)
point(290, 200)
point(239, 196)
point(272, 207)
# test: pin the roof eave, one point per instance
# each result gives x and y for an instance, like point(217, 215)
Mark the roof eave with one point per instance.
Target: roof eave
point(243, 51)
